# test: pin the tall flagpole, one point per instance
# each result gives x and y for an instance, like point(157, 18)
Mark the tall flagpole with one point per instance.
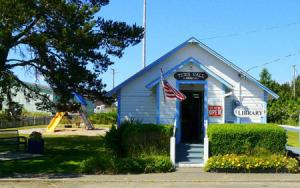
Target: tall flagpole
point(144, 39)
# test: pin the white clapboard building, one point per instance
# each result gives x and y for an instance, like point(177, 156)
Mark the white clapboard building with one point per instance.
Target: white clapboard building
point(217, 91)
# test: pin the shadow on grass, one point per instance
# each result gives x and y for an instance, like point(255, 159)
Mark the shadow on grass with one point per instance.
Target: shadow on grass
point(62, 158)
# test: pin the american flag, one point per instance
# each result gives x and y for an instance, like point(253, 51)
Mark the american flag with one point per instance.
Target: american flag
point(169, 91)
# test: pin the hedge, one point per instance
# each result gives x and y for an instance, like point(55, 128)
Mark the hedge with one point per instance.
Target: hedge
point(104, 118)
point(133, 148)
point(107, 163)
point(245, 163)
point(133, 139)
point(248, 139)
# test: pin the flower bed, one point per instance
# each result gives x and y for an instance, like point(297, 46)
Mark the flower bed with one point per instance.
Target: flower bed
point(245, 163)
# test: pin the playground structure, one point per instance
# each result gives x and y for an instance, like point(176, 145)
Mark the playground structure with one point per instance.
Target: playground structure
point(82, 113)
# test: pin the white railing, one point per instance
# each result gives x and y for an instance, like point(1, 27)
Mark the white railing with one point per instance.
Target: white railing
point(173, 144)
point(292, 129)
point(206, 143)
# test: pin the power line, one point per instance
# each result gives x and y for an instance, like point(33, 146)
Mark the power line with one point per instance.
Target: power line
point(274, 60)
point(269, 28)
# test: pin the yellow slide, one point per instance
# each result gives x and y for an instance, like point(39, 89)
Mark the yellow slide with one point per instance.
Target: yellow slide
point(55, 121)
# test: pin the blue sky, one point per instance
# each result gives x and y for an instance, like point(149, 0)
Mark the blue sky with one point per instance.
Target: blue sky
point(249, 32)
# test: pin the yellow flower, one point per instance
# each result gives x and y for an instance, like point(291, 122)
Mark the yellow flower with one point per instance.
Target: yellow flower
point(247, 166)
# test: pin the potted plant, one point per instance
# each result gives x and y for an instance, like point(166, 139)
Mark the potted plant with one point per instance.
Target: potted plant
point(36, 143)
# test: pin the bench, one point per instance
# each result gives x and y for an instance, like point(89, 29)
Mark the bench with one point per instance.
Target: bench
point(10, 138)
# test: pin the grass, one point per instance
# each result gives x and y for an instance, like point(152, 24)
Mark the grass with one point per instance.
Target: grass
point(63, 155)
point(25, 128)
point(44, 126)
point(293, 139)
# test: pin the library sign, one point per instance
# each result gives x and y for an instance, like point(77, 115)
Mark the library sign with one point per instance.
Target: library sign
point(190, 75)
point(242, 111)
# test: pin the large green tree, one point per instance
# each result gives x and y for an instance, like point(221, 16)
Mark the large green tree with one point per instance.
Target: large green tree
point(65, 41)
point(284, 109)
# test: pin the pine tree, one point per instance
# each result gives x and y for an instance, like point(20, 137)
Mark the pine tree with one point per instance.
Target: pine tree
point(64, 41)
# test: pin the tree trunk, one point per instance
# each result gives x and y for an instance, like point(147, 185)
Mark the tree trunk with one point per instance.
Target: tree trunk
point(3, 57)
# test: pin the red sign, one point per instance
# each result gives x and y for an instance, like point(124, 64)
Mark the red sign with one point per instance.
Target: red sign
point(215, 111)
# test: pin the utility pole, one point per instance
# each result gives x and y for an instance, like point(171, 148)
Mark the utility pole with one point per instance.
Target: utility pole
point(113, 73)
point(294, 81)
point(144, 38)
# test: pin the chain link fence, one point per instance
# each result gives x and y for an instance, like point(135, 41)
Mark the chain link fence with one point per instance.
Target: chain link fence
point(25, 121)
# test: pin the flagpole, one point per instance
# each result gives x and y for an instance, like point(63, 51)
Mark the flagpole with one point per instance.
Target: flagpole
point(162, 79)
point(144, 38)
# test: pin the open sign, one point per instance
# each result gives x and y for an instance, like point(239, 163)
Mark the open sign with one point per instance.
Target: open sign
point(215, 111)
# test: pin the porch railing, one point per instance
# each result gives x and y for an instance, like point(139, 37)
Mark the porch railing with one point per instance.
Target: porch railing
point(295, 150)
point(173, 144)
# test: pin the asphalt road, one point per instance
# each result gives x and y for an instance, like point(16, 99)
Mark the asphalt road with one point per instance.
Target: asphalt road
point(188, 177)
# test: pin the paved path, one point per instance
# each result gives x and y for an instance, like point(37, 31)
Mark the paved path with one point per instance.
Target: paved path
point(188, 177)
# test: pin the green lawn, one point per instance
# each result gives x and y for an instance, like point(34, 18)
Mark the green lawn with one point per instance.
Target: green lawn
point(293, 139)
point(44, 126)
point(62, 155)
point(25, 128)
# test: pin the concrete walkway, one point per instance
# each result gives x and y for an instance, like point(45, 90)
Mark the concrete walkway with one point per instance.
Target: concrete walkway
point(184, 177)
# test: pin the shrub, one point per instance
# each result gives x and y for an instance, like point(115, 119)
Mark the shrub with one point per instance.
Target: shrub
point(113, 140)
point(244, 163)
point(246, 139)
point(133, 139)
point(156, 164)
point(146, 139)
point(105, 163)
point(104, 118)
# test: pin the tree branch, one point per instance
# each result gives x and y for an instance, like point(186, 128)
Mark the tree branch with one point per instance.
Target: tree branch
point(25, 31)
point(22, 63)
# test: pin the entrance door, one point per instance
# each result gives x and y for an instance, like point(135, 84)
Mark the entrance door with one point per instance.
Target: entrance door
point(192, 117)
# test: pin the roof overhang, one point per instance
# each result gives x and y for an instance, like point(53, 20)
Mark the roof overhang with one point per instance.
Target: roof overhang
point(196, 42)
point(194, 62)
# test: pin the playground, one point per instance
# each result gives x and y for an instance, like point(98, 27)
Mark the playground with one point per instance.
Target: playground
point(60, 131)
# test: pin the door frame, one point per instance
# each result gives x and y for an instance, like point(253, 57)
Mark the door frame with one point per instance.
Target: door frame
point(178, 107)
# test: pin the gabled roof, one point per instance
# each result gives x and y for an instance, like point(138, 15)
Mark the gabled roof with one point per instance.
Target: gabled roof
point(195, 62)
point(193, 40)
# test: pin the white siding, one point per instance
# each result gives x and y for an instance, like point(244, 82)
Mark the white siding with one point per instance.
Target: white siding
point(140, 103)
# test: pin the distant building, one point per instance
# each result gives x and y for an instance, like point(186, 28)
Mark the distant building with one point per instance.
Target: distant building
point(30, 106)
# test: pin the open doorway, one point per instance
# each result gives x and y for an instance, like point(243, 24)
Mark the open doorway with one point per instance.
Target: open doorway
point(192, 117)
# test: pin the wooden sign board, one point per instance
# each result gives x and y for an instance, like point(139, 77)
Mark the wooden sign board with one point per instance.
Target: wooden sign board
point(190, 75)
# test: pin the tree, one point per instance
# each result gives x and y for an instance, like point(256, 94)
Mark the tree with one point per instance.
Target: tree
point(282, 110)
point(266, 79)
point(62, 40)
